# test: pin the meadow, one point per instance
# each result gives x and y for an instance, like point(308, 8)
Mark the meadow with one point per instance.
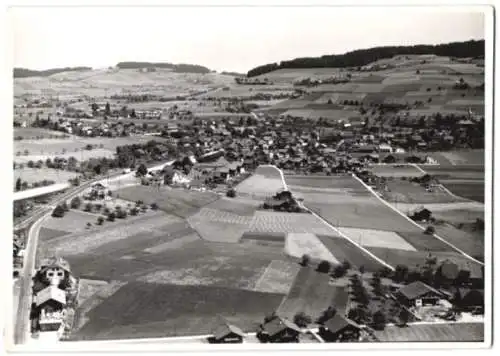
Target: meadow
point(461, 332)
point(32, 175)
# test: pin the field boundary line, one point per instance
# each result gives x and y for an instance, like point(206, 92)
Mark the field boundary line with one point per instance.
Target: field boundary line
point(418, 168)
point(414, 223)
point(379, 260)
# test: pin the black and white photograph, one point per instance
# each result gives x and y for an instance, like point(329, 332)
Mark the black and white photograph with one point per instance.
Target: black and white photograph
point(248, 177)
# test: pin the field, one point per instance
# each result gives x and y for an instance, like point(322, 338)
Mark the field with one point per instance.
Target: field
point(470, 244)
point(140, 310)
point(32, 175)
point(447, 159)
point(402, 191)
point(312, 294)
point(344, 250)
point(457, 332)
point(72, 222)
point(394, 171)
point(278, 277)
point(298, 244)
point(473, 190)
point(259, 186)
point(179, 202)
point(288, 223)
point(28, 133)
point(377, 238)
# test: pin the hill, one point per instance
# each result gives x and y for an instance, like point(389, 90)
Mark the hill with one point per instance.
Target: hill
point(179, 68)
point(363, 57)
point(25, 73)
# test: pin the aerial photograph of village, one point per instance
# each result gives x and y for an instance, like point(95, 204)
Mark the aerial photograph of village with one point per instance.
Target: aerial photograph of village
point(301, 184)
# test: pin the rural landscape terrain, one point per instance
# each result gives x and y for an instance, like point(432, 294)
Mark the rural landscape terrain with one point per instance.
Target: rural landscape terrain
point(331, 199)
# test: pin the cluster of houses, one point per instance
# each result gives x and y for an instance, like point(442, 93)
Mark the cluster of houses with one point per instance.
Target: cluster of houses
point(55, 291)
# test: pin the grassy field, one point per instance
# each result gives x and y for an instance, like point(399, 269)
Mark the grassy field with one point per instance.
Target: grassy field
point(32, 175)
point(473, 190)
point(278, 277)
point(403, 191)
point(179, 202)
point(344, 250)
point(28, 133)
point(259, 186)
point(467, 242)
point(459, 157)
point(458, 332)
point(335, 182)
point(139, 310)
point(377, 238)
point(312, 294)
point(238, 205)
point(298, 244)
point(424, 242)
point(72, 222)
point(395, 171)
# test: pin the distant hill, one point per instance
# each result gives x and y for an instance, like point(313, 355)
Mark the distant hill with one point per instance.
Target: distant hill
point(25, 73)
point(234, 74)
point(179, 68)
point(365, 56)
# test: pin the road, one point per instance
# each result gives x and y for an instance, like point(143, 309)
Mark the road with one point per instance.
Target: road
point(23, 324)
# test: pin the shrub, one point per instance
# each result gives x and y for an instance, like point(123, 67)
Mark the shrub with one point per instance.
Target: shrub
point(339, 271)
point(379, 320)
point(154, 206)
point(302, 320)
point(65, 206)
point(327, 314)
point(111, 216)
point(134, 211)
point(430, 230)
point(121, 214)
point(88, 207)
point(346, 265)
point(305, 260)
point(100, 220)
point(76, 202)
point(385, 272)
point(324, 267)
point(231, 193)
point(58, 212)
point(88, 225)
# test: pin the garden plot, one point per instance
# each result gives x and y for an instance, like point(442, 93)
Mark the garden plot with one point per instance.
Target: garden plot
point(299, 244)
point(278, 277)
point(219, 226)
point(377, 238)
point(287, 223)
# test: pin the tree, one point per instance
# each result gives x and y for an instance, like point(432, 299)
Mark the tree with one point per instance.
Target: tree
point(324, 267)
point(362, 269)
point(401, 273)
point(88, 225)
point(121, 214)
point(430, 230)
point(231, 193)
point(339, 271)
point(107, 110)
point(76, 202)
point(379, 320)
point(58, 212)
point(134, 211)
point(100, 220)
point(302, 319)
point(65, 206)
point(142, 170)
point(111, 216)
point(88, 207)
point(154, 206)
point(305, 260)
point(346, 265)
point(24, 186)
point(31, 164)
point(19, 184)
point(327, 315)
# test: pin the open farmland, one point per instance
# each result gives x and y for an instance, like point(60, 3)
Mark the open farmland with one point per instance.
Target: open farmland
point(472, 244)
point(298, 244)
point(395, 171)
point(139, 310)
point(377, 238)
point(28, 133)
point(266, 181)
point(453, 158)
point(278, 277)
point(403, 191)
point(265, 221)
point(344, 250)
point(455, 332)
point(179, 202)
point(473, 190)
point(72, 222)
point(32, 175)
point(312, 294)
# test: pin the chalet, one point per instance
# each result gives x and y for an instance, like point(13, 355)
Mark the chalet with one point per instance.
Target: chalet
point(418, 294)
point(279, 330)
point(227, 333)
point(50, 303)
point(339, 328)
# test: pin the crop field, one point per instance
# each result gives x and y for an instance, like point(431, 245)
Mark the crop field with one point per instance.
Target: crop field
point(288, 223)
point(452, 158)
point(219, 226)
point(377, 238)
point(388, 170)
point(371, 78)
point(338, 182)
point(179, 202)
point(139, 310)
point(275, 238)
point(81, 156)
point(416, 258)
point(28, 133)
point(467, 242)
point(458, 215)
point(424, 242)
point(238, 205)
point(339, 98)
point(278, 277)
point(32, 175)
point(414, 193)
point(473, 190)
point(457, 332)
point(298, 244)
point(264, 182)
point(344, 250)
point(332, 114)
point(72, 222)
point(312, 294)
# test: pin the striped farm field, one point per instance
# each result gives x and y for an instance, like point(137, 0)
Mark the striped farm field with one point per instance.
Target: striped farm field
point(278, 277)
point(344, 250)
point(298, 244)
point(456, 332)
point(219, 226)
point(288, 223)
point(377, 238)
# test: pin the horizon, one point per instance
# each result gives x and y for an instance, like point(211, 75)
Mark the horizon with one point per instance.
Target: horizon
point(262, 37)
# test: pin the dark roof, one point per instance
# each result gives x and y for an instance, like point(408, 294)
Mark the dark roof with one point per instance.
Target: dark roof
point(417, 289)
point(338, 322)
point(225, 329)
point(278, 324)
